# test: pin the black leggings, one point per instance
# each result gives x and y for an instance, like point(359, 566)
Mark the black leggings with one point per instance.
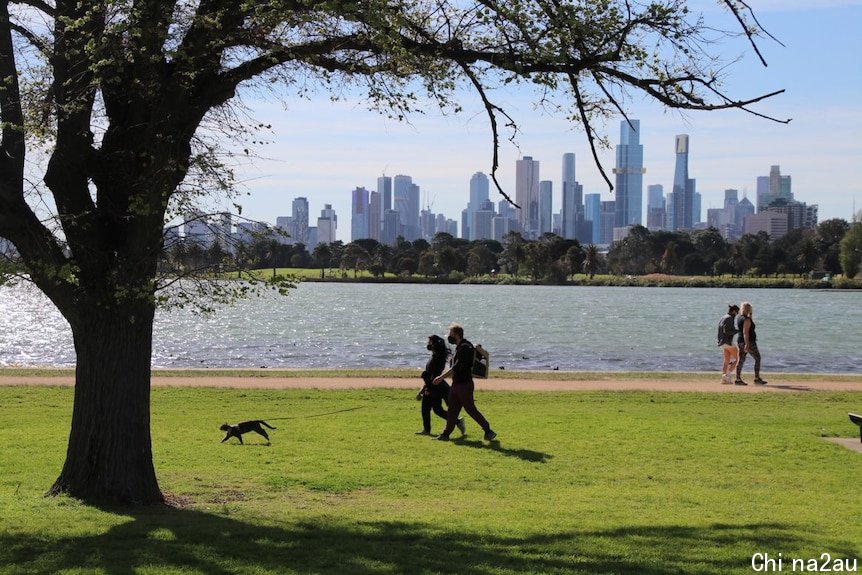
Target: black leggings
point(429, 403)
point(753, 352)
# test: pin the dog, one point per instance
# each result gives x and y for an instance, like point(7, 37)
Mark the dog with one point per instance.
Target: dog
point(244, 427)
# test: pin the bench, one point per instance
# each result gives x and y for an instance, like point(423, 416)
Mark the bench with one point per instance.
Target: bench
point(857, 419)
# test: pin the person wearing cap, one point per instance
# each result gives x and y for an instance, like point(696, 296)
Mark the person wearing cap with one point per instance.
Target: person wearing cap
point(461, 391)
point(726, 331)
point(432, 396)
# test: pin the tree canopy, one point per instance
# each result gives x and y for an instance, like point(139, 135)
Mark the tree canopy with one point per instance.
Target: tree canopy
point(114, 113)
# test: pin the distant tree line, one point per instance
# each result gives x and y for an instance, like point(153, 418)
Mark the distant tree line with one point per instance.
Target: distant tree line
point(834, 247)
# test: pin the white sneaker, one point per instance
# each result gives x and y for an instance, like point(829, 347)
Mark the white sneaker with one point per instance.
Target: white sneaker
point(725, 380)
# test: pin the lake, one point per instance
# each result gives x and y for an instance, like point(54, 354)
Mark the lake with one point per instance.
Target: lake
point(335, 325)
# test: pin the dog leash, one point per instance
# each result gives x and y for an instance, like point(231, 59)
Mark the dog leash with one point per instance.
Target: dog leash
point(314, 415)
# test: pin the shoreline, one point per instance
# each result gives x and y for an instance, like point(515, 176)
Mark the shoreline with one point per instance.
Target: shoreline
point(406, 379)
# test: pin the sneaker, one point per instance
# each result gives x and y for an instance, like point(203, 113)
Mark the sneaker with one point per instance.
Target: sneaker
point(759, 381)
point(442, 437)
point(725, 380)
point(423, 432)
point(739, 382)
point(460, 425)
point(490, 435)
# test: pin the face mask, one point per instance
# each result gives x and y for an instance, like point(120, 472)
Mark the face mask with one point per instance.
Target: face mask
point(451, 339)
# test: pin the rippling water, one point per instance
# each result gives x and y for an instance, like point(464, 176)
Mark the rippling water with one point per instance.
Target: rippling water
point(524, 327)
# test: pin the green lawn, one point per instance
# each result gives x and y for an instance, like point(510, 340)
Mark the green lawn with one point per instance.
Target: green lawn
point(580, 482)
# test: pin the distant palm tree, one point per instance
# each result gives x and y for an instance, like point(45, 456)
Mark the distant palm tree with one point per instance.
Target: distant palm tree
point(591, 260)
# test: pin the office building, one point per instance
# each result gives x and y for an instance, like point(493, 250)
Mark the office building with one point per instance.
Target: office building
point(327, 225)
point(479, 194)
point(527, 196)
point(681, 199)
point(360, 214)
point(656, 211)
point(546, 207)
point(593, 216)
point(573, 209)
point(629, 172)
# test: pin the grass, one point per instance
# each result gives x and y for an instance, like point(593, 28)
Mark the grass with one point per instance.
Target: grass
point(580, 482)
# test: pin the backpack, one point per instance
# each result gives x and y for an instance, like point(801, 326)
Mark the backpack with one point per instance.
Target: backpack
point(726, 329)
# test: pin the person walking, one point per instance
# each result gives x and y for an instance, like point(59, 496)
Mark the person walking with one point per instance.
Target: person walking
point(747, 343)
point(461, 391)
point(433, 396)
point(726, 331)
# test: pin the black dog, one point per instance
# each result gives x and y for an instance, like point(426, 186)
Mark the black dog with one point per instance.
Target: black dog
point(244, 427)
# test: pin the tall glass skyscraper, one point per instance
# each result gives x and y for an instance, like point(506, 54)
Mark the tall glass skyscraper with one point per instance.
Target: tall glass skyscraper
point(479, 193)
point(300, 219)
point(359, 214)
point(546, 207)
point(628, 204)
point(683, 189)
point(527, 196)
point(593, 214)
point(571, 200)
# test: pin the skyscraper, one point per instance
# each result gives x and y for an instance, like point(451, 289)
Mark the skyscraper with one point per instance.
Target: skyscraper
point(479, 189)
point(375, 216)
point(406, 197)
point(655, 207)
point(572, 201)
point(629, 170)
point(359, 214)
point(384, 188)
point(593, 214)
point(527, 196)
point(683, 192)
point(327, 225)
point(546, 207)
point(300, 219)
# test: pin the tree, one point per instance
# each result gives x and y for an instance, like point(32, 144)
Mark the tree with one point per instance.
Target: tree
point(829, 235)
point(131, 100)
point(591, 260)
point(851, 250)
point(513, 252)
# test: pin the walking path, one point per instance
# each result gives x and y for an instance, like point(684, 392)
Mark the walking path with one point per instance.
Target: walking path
point(826, 382)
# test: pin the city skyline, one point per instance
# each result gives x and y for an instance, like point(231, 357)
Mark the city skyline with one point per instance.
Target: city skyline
point(324, 150)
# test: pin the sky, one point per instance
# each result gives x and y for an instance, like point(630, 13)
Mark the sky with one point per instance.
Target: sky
point(323, 150)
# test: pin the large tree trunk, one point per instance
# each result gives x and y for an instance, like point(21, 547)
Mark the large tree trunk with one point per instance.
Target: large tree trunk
point(109, 455)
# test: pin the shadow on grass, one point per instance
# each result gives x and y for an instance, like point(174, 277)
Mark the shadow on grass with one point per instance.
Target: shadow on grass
point(169, 540)
point(525, 454)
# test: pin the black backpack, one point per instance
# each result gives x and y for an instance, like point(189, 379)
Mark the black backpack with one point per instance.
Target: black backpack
point(726, 329)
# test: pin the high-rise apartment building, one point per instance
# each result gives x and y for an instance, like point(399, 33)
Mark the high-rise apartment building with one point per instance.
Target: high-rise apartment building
point(629, 172)
point(527, 196)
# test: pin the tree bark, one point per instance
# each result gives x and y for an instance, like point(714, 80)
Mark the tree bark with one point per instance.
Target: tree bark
point(109, 456)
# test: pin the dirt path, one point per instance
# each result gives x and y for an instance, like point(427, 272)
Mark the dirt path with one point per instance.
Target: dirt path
point(776, 384)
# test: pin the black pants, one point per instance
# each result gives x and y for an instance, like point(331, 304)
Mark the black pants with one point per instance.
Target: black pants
point(753, 352)
point(430, 403)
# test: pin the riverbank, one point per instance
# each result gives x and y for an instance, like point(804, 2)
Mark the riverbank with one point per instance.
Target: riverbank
point(408, 379)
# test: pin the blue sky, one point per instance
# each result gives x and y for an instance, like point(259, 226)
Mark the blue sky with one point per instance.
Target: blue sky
point(323, 150)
